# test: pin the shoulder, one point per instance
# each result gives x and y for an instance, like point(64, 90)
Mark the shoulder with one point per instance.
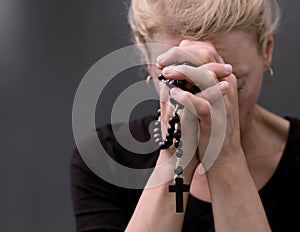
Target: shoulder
point(291, 157)
point(139, 129)
point(113, 138)
point(294, 125)
point(293, 142)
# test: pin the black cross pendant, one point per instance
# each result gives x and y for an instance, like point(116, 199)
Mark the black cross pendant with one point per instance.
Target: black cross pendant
point(179, 188)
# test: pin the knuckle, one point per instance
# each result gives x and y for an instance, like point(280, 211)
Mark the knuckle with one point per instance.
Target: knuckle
point(185, 42)
point(212, 51)
point(213, 54)
point(178, 53)
point(174, 51)
point(204, 56)
point(183, 69)
point(202, 108)
point(213, 75)
point(210, 46)
point(233, 80)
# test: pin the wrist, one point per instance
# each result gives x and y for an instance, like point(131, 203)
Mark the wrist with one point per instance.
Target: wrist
point(163, 172)
point(229, 165)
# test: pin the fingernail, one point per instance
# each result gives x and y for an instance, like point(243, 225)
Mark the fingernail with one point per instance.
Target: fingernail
point(223, 85)
point(228, 68)
point(167, 71)
point(174, 91)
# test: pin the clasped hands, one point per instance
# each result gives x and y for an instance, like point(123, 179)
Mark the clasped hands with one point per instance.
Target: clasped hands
point(213, 111)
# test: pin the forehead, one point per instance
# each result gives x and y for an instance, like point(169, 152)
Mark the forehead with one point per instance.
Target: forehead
point(238, 48)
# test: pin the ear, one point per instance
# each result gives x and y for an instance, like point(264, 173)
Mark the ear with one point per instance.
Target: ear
point(268, 51)
point(152, 70)
point(138, 39)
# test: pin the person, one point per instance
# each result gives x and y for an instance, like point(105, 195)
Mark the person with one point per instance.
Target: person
point(253, 183)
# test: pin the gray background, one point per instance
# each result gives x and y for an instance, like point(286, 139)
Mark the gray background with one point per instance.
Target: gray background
point(46, 46)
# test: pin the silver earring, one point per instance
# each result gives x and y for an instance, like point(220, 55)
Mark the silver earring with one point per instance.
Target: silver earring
point(149, 81)
point(270, 76)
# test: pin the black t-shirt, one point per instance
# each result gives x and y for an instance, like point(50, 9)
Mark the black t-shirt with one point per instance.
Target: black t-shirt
point(102, 206)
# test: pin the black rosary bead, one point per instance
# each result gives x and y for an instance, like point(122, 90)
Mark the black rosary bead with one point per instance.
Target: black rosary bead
point(178, 170)
point(169, 83)
point(171, 130)
point(178, 144)
point(170, 138)
point(158, 113)
point(175, 119)
point(161, 77)
point(179, 153)
point(181, 84)
point(168, 142)
point(195, 89)
point(173, 84)
point(163, 146)
point(178, 83)
point(172, 122)
point(177, 135)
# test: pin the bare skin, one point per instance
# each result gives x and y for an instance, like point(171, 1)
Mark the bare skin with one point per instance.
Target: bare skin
point(254, 141)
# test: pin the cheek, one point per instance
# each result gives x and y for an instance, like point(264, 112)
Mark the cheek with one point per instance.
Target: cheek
point(153, 70)
point(248, 96)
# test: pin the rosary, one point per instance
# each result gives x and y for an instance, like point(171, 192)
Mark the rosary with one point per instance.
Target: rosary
point(174, 137)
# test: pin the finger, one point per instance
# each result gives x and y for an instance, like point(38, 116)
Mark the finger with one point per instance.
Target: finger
point(177, 55)
point(195, 52)
point(177, 72)
point(214, 92)
point(203, 76)
point(199, 104)
point(196, 105)
point(211, 52)
point(220, 70)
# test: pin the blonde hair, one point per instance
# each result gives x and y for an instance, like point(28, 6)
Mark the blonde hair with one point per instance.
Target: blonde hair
point(202, 19)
